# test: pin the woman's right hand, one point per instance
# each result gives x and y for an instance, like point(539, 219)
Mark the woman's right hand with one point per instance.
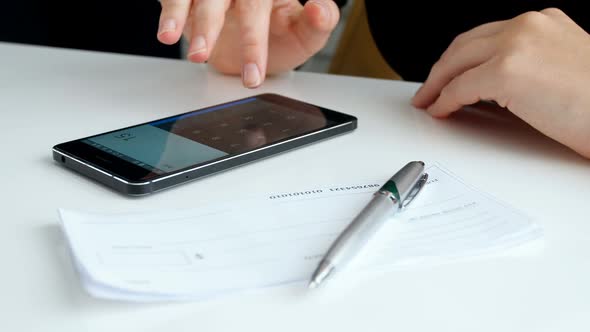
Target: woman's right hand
point(537, 65)
point(251, 38)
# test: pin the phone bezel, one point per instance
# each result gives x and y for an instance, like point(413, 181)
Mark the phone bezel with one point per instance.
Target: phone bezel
point(87, 156)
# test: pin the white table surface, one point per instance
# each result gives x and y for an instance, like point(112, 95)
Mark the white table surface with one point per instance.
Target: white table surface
point(48, 96)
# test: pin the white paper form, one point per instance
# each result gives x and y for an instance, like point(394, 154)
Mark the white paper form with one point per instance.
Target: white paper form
point(279, 238)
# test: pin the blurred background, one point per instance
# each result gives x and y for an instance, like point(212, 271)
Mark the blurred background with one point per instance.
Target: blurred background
point(130, 26)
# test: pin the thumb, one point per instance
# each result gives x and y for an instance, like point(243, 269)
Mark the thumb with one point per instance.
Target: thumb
point(315, 23)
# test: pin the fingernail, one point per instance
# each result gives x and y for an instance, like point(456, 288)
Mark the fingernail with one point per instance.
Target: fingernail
point(199, 45)
point(168, 25)
point(251, 75)
point(323, 8)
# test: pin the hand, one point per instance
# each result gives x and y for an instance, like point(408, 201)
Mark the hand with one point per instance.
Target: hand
point(536, 65)
point(249, 37)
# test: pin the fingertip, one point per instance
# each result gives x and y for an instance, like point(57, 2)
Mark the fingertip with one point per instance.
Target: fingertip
point(252, 76)
point(322, 14)
point(417, 104)
point(441, 116)
point(427, 95)
point(418, 100)
point(314, 25)
point(168, 38)
point(197, 51)
point(436, 111)
point(168, 31)
point(253, 86)
point(197, 57)
point(421, 104)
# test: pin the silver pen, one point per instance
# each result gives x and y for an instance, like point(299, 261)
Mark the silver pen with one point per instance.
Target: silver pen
point(394, 195)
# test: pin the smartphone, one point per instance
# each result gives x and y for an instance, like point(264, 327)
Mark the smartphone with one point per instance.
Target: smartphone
point(156, 155)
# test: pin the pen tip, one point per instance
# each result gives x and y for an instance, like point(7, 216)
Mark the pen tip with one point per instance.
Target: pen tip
point(312, 284)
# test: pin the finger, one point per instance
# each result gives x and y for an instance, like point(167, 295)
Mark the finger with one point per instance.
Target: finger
point(172, 20)
point(457, 61)
point(424, 98)
point(315, 24)
point(254, 20)
point(208, 17)
point(472, 86)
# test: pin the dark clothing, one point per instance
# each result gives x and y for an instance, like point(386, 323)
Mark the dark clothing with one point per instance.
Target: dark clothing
point(411, 35)
point(125, 26)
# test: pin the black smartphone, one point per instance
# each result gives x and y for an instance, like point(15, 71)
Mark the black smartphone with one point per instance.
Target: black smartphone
point(156, 155)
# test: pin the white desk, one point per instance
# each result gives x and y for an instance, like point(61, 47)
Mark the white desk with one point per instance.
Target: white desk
point(48, 96)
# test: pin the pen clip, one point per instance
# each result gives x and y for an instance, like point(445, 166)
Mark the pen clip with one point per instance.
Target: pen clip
point(415, 190)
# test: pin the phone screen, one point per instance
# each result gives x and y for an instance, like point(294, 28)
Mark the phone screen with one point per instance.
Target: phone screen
point(174, 143)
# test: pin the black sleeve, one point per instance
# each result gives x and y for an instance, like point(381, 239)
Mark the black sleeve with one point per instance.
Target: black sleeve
point(411, 35)
point(128, 27)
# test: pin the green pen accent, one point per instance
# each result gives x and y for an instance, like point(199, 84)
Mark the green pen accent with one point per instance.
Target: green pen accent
point(390, 186)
